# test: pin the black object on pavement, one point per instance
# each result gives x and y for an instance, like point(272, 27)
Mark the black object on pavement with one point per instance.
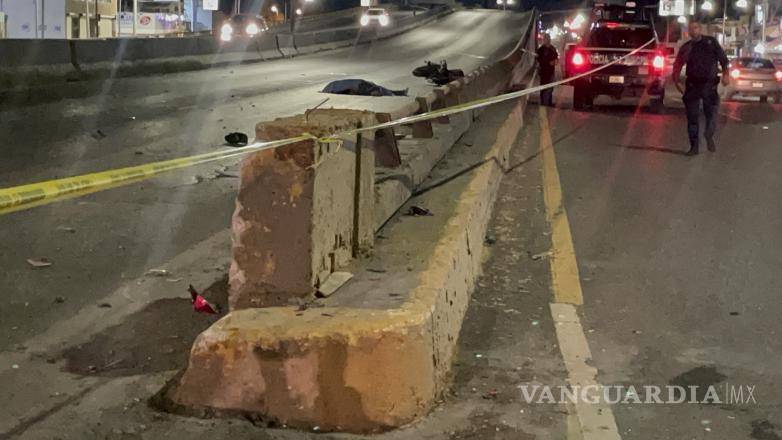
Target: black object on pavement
point(236, 139)
point(360, 87)
point(438, 74)
point(418, 211)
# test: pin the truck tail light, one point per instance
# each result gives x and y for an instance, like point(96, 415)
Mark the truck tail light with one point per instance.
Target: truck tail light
point(735, 73)
point(658, 62)
point(778, 75)
point(578, 59)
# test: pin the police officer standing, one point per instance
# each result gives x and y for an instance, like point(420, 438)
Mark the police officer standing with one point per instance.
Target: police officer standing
point(547, 62)
point(701, 55)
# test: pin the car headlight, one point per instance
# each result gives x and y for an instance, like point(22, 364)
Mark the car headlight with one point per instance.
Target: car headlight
point(252, 29)
point(364, 20)
point(383, 20)
point(225, 32)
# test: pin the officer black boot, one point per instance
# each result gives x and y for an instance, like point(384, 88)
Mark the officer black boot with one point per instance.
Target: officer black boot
point(693, 149)
point(711, 145)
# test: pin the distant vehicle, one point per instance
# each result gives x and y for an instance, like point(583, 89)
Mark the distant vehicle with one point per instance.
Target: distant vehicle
point(242, 26)
point(375, 15)
point(755, 77)
point(639, 75)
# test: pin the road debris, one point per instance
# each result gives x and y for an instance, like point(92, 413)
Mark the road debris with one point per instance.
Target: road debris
point(491, 395)
point(98, 134)
point(200, 304)
point(417, 211)
point(66, 229)
point(39, 262)
point(157, 273)
point(541, 255)
point(489, 239)
point(59, 299)
point(334, 281)
point(236, 139)
point(104, 305)
point(218, 174)
point(438, 74)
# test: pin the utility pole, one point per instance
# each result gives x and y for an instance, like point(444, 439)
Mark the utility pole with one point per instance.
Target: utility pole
point(724, 21)
point(135, 16)
point(87, 16)
point(764, 5)
point(292, 14)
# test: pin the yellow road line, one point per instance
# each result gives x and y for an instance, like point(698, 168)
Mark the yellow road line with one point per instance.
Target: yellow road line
point(566, 283)
point(595, 421)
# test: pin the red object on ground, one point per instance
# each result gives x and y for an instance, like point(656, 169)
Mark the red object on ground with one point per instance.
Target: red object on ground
point(200, 304)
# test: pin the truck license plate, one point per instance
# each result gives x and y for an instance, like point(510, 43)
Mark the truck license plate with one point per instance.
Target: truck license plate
point(757, 85)
point(616, 79)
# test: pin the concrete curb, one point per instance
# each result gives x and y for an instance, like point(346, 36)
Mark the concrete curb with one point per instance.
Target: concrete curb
point(346, 369)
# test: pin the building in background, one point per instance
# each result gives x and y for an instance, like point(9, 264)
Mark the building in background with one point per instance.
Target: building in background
point(58, 19)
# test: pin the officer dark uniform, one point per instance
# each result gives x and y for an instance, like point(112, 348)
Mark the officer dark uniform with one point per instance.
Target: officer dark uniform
point(701, 55)
point(547, 61)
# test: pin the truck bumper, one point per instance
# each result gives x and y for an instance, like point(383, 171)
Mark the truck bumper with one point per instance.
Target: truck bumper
point(620, 86)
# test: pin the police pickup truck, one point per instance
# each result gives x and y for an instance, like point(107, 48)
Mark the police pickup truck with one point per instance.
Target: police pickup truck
point(639, 75)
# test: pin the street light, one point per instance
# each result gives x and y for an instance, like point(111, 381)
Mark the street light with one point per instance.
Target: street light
point(743, 4)
point(298, 11)
point(577, 22)
point(274, 9)
point(682, 19)
point(707, 6)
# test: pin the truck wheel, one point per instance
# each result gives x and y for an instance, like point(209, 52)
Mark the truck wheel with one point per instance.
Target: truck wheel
point(764, 98)
point(580, 96)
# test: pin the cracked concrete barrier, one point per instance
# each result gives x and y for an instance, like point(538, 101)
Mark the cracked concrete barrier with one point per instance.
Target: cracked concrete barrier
point(302, 210)
point(355, 369)
point(361, 360)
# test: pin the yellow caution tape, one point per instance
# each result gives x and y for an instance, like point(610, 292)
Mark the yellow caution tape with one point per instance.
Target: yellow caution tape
point(35, 194)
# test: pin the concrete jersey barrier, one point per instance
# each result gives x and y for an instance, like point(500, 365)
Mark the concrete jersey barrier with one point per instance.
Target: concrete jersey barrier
point(342, 368)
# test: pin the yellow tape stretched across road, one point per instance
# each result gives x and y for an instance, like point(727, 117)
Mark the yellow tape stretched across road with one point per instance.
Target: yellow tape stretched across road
point(35, 194)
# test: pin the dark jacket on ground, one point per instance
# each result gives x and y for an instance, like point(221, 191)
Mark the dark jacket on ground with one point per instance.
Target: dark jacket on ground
point(701, 58)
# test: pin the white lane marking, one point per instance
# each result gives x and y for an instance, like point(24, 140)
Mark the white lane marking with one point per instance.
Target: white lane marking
point(597, 419)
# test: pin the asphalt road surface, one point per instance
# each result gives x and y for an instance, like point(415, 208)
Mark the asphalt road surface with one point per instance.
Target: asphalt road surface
point(679, 260)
